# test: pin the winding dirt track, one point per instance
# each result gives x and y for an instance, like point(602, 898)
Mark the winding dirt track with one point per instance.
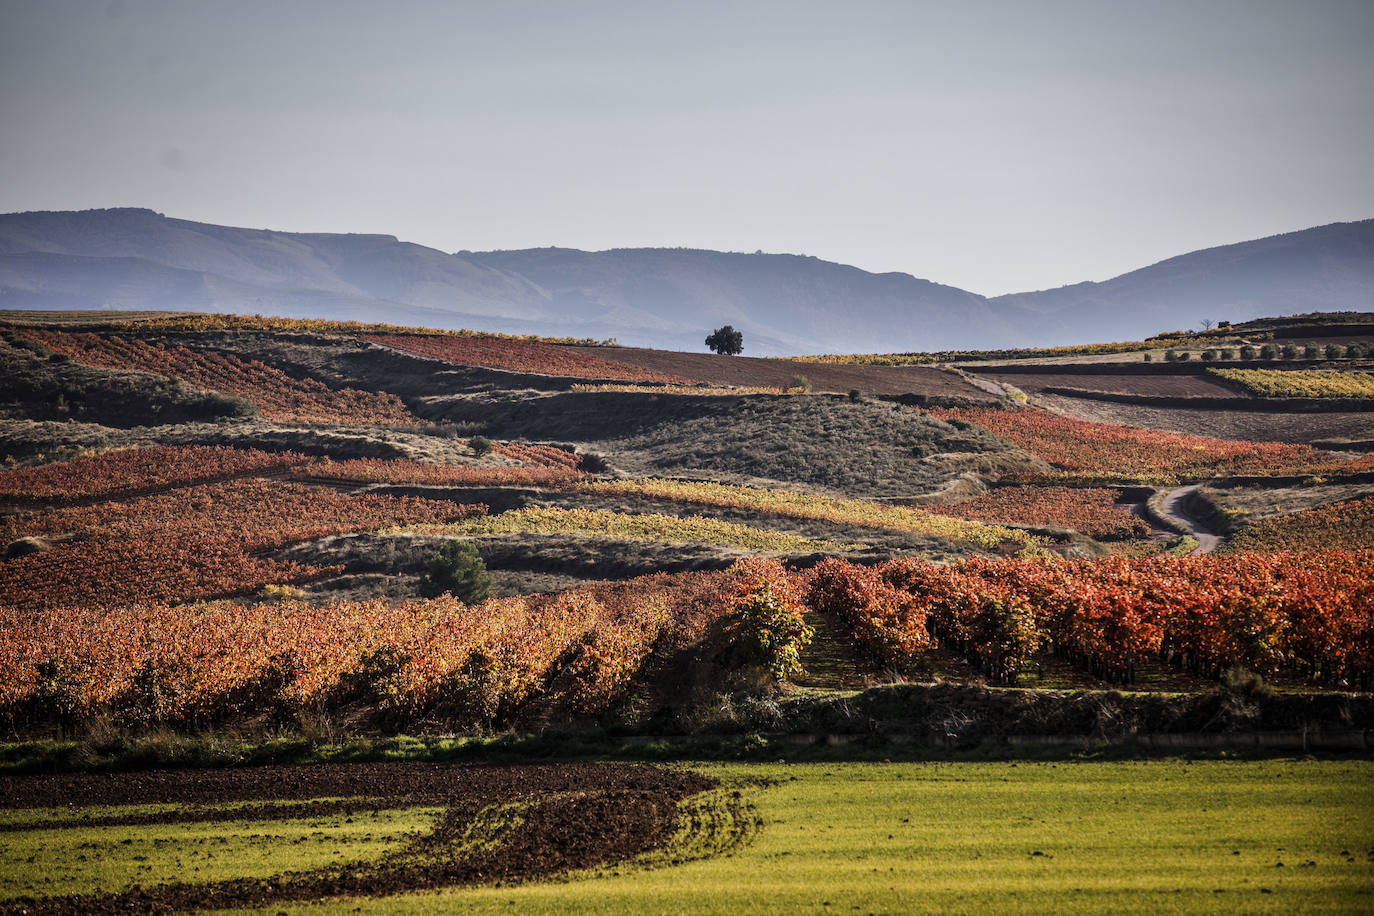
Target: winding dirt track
point(1172, 507)
point(575, 816)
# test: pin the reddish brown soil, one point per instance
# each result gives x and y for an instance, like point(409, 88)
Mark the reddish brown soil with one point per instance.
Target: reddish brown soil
point(578, 815)
point(1169, 386)
point(778, 373)
point(1223, 424)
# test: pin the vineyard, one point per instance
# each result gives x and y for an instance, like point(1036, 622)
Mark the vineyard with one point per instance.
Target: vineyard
point(951, 356)
point(578, 652)
point(1302, 383)
point(1311, 614)
point(216, 322)
point(276, 395)
point(1090, 510)
point(704, 390)
point(1348, 525)
point(197, 542)
point(135, 470)
point(693, 529)
point(789, 504)
point(1101, 452)
point(519, 356)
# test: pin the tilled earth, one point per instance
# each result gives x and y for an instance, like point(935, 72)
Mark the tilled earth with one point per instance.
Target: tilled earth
point(571, 816)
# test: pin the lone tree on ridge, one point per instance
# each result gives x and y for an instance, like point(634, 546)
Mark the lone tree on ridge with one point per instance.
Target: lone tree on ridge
point(726, 341)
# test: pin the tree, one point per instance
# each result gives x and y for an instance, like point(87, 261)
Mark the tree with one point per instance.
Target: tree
point(458, 570)
point(726, 341)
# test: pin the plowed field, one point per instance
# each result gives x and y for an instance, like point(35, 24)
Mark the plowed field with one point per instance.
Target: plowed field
point(778, 373)
point(550, 818)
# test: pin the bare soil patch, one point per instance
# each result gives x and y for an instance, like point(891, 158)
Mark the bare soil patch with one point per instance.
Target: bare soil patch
point(1154, 385)
point(1236, 425)
point(756, 372)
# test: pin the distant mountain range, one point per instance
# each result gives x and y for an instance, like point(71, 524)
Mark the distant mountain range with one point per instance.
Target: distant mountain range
point(659, 297)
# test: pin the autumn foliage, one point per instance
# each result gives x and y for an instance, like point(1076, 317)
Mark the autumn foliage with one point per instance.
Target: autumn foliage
point(1092, 452)
point(198, 542)
point(520, 356)
point(137, 470)
point(577, 652)
point(1307, 613)
point(1090, 510)
point(276, 395)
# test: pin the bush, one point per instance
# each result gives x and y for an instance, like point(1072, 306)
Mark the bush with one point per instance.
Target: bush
point(1269, 351)
point(1149, 357)
point(1228, 354)
point(855, 394)
point(1170, 356)
point(1357, 350)
point(1209, 355)
point(1248, 352)
point(799, 383)
point(726, 341)
point(458, 570)
point(1290, 351)
point(770, 631)
point(480, 445)
point(1334, 351)
point(1183, 356)
point(1311, 351)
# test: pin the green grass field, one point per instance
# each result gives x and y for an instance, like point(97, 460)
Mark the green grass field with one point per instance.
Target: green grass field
point(102, 859)
point(1154, 837)
point(1157, 836)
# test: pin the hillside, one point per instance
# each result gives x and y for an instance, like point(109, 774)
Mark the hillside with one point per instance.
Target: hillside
point(1328, 268)
point(138, 259)
point(666, 298)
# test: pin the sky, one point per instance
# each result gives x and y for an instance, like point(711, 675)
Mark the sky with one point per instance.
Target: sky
point(993, 146)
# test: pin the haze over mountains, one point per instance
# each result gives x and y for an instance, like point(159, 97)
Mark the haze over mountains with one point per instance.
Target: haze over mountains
point(669, 298)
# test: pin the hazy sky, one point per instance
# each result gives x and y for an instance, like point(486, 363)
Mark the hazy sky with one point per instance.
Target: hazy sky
point(993, 146)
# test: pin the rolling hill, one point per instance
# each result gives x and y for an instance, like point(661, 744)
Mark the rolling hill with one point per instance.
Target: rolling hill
point(668, 298)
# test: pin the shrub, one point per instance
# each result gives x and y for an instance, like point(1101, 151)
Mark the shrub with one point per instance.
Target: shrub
point(799, 383)
point(726, 341)
point(1209, 355)
point(1248, 352)
point(1183, 356)
point(1335, 351)
point(770, 629)
point(1311, 351)
point(1357, 350)
point(855, 394)
point(1269, 351)
point(458, 570)
point(1290, 351)
point(1149, 357)
point(1171, 356)
point(1228, 354)
point(480, 445)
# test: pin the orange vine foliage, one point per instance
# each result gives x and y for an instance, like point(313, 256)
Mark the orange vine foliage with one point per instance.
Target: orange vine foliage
point(201, 541)
point(137, 470)
point(521, 356)
point(1311, 613)
point(1086, 451)
point(577, 651)
point(380, 470)
point(1090, 510)
point(1348, 524)
point(277, 395)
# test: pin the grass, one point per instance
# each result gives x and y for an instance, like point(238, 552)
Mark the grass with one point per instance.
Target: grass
point(1164, 836)
point(83, 859)
point(650, 528)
